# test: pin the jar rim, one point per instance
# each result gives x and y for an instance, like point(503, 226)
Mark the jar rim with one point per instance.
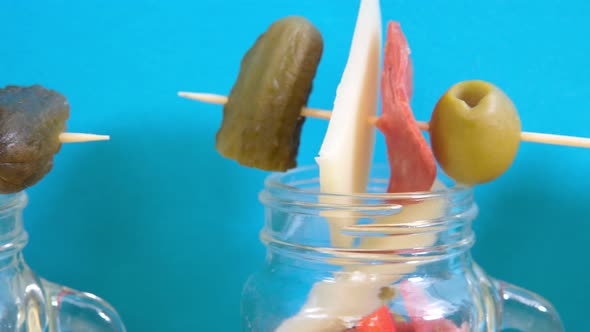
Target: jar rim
point(280, 181)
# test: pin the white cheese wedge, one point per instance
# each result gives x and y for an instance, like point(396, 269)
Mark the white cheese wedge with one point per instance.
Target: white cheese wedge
point(347, 150)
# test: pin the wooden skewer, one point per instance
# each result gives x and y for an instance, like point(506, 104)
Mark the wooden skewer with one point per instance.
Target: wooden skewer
point(582, 142)
point(81, 137)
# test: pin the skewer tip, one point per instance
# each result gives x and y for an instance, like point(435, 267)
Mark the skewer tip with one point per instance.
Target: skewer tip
point(82, 137)
point(204, 97)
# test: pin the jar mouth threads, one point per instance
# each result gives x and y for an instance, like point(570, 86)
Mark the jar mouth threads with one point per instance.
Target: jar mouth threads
point(305, 180)
point(298, 191)
point(13, 237)
point(9, 202)
point(362, 256)
point(376, 226)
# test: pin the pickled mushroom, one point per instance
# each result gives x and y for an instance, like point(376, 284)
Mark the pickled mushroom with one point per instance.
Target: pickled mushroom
point(31, 119)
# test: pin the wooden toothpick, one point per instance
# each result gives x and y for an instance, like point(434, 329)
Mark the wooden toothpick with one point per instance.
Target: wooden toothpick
point(219, 99)
point(81, 137)
point(582, 142)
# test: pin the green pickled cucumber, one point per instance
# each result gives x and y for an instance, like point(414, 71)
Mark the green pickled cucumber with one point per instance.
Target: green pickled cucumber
point(262, 120)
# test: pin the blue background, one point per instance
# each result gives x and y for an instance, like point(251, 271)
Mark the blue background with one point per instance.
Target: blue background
point(146, 221)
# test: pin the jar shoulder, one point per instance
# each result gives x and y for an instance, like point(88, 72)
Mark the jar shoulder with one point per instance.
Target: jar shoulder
point(31, 303)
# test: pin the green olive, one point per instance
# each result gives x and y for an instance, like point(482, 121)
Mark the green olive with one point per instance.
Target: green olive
point(475, 132)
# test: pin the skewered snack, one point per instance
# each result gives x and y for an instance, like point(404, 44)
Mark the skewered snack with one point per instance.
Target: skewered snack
point(354, 301)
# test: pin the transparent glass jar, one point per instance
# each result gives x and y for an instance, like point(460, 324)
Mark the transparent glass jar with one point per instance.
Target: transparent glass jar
point(409, 254)
point(30, 303)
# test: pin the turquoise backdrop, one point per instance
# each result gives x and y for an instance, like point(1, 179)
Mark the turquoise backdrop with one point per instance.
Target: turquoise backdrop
point(164, 228)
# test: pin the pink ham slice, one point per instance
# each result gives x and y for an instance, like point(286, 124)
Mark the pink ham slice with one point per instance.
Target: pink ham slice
point(412, 164)
point(417, 302)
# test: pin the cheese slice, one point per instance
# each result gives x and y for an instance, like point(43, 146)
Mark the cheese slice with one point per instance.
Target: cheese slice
point(347, 150)
point(332, 305)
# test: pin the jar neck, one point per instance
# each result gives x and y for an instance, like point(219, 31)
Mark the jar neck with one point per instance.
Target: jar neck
point(372, 228)
point(13, 237)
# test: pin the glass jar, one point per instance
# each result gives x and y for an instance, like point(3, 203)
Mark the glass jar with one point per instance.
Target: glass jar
point(407, 254)
point(30, 303)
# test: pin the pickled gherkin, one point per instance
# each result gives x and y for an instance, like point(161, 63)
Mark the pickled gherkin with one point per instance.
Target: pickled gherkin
point(31, 119)
point(262, 120)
